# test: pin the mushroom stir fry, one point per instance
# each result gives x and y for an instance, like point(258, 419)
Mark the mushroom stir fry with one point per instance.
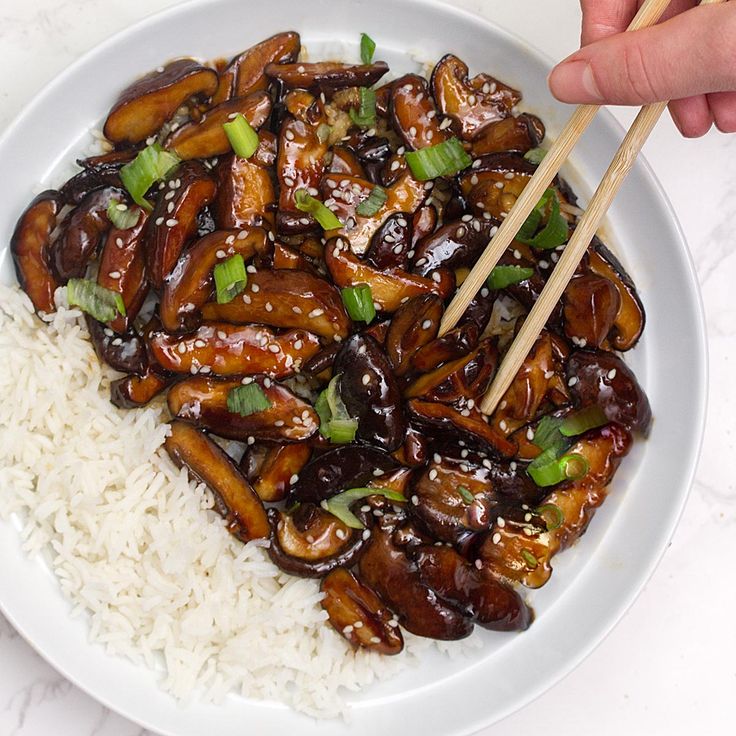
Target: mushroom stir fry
point(293, 232)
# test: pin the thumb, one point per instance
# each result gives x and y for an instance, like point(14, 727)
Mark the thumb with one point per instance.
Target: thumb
point(690, 54)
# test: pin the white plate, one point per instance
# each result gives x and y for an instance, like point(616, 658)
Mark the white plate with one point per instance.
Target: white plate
point(597, 580)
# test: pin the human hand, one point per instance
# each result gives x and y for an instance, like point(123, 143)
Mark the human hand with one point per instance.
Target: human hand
point(688, 58)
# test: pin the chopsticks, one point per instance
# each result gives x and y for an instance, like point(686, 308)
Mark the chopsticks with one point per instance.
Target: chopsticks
point(621, 165)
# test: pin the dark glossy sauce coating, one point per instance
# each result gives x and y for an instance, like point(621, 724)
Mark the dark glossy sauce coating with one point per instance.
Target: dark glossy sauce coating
point(443, 522)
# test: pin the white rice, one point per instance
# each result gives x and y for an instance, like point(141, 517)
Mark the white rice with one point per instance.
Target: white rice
point(136, 546)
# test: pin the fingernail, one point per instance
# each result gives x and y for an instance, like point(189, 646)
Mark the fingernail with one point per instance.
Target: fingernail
point(572, 81)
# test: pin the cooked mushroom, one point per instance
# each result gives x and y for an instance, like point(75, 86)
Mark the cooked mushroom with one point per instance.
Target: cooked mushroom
point(370, 392)
point(286, 299)
point(591, 304)
point(414, 113)
point(173, 221)
point(484, 599)
point(348, 601)
point(233, 350)
point(385, 568)
point(143, 108)
point(391, 244)
point(279, 470)
point(206, 138)
point(414, 325)
point(83, 232)
point(203, 401)
point(518, 134)
point(30, 247)
point(389, 290)
point(191, 283)
point(123, 269)
point(134, 391)
point(471, 109)
point(245, 74)
point(326, 76)
point(123, 352)
point(236, 501)
point(311, 542)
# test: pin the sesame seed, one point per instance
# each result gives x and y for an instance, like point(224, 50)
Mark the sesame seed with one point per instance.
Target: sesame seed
point(436, 277)
point(172, 222)
point(170, 207)
point(115, 274)
point(246, 299)
point(412, 131)
point(170, 194)
point(347, 629)
point(426, 324)
point(267, 382)
point(478, 564)
point(509, 176)
point(501, 522)
point(517, 254)
point(415, 500)
point(298, 345)
point(375, 640)
point(341, 534)
point(528, 531)
point(251, 440)
point(487, 464)
point(530, 434)
point(474, 179)
point(484, 292)
point(498, 185)
point(159, 221)
point(502, 425)
point(611, 374)
point(573, 380)
point(527, 517)
point(548, 374)
point(117, 341)
point(358, 624)
point(446, 123)
point(464, 453)
point(496, 538)
point(289, 135)
point(476, 164)
point(366, 379)
point(199, 343)
point(255, 288)
point(205, 369)
point(220, 253)
point(316, 313)
point(288, 181)
point(119, 242)
point(269, 307)
point(278, 423)
point(433, 474)
point(274, 348)
point(304, 221)
point(193, 369)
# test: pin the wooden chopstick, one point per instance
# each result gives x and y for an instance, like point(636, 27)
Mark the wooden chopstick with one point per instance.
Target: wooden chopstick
point(648, 14)
point(574, 251)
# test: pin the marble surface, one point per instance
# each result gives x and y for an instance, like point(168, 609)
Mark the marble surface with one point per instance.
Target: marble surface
point(670, 665)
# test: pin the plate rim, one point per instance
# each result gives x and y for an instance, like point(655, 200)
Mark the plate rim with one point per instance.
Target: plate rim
point(699, 389)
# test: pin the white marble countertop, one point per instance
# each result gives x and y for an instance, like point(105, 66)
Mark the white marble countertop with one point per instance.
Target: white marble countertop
point(670, 666)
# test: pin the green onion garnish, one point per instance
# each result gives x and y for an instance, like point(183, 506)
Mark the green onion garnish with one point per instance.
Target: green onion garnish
point(121, 216)
point(241, 135)
point(367, 48)
point(335, 424)
point(503, 276)
point(247, 400)
point(324, 132)
point(468, 497)
point(340, 504)
point(581, 421)
point(305, 202)
point(358, 300)
point(151, 165)
point(97, 301)
point(365, 117)
point(230, 278)
point(376, 200)
point(554, 232)
point(547, 436)
point(548, 470)
point(444, 159)
point(535, 155)
point(552, 515)
point(530, 559)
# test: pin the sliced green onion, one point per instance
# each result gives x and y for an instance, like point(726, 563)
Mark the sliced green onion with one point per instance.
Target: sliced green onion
point(367, 48)
point(230, 278)
point(305, 202)
point(335, 424)
point(121, 216)
point(443, 159)
point(342, 431)
point(241, 135)
point(503, 276)
point(468, 497)
point(535, 155)
point(324, 132)
point(358, 300)
point(581, 421)
point(97, 301)
point(530, 559)
point(247, 400)
point(376, 200)
point(548, 436)
point(547, 470)
point(340, 504)
point(365, 116)
point(554, 233)
point(151, 165)
point(552, 515)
